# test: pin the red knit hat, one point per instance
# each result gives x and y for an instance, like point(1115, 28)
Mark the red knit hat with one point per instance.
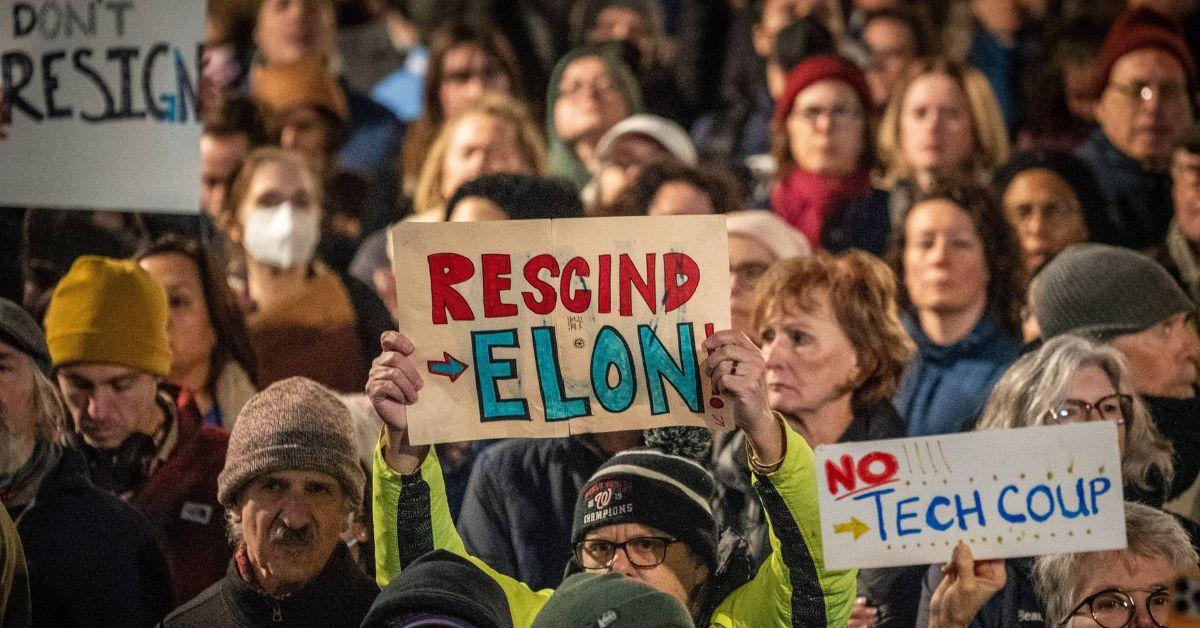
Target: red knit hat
point(1142, 28)
point(815, 70)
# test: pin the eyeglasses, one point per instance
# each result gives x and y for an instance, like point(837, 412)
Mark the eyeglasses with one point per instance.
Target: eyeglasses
point(841, 114)
point(1111, 408)
point(1114, 608)
point(642, 551)
point(1142, 92)
point(574, 90)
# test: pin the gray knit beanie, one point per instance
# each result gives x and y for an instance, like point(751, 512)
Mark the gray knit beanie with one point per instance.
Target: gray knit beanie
point(1101, 291)
point(293, 425)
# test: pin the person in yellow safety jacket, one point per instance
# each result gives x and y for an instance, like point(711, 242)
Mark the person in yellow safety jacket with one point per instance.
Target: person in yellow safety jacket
point(644, 513)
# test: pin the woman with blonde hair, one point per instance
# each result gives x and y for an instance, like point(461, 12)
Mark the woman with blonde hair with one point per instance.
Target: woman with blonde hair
point(942, 121)
point(1068, 380)
point(493, 134)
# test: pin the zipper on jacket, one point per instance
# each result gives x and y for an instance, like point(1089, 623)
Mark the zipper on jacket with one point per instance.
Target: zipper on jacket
point(277, 613)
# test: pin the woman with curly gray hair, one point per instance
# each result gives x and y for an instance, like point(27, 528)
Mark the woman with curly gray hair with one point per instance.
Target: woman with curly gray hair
point(1068, 380)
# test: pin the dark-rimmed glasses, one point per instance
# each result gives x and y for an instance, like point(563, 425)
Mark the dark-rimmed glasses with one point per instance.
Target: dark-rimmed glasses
point(642, 551)
point(1114, 608)
point(1116, 408)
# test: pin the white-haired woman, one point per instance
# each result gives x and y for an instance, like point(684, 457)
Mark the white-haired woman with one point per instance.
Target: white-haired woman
point(1068, 380)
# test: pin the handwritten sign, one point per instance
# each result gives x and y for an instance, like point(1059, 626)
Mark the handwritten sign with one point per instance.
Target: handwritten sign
point(100, 104)
point(1006, 493)
point(542, 328)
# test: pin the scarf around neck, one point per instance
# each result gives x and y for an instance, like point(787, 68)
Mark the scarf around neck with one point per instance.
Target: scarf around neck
point(805, 199)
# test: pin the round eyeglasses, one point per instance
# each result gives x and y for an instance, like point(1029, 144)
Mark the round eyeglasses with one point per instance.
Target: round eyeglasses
point(1116, 408)
point(642, 551)
point(1114, 608)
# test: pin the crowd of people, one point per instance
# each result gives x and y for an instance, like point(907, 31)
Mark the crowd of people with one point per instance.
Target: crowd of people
point(942, 216)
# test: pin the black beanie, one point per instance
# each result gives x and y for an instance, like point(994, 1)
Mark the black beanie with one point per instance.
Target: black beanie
point(441, 583)
point(1100, 292)
point(650, 487)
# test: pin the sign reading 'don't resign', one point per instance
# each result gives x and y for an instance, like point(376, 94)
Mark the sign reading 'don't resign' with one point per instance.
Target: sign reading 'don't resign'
point(1006, 493)
point(542, 328)
point(99, 104)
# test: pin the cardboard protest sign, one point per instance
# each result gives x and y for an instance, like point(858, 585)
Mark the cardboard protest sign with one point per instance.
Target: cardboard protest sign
point(1006, 493)
point(542, 328)
point(100, 104)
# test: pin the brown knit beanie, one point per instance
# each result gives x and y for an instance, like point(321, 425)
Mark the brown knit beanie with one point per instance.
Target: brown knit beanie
point(294, 425)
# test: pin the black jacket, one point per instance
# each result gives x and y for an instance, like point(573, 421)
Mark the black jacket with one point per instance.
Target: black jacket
point(92, 558)
point(338, 597)
point(517, 512)
point(1177, 420)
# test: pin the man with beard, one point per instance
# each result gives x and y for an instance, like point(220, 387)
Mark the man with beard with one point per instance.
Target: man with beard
point(92, 558)
point(290, 486)
point(106, 329)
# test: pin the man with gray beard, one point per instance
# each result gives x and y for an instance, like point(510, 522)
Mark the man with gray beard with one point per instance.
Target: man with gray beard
point(290, 486)
point(92, 558)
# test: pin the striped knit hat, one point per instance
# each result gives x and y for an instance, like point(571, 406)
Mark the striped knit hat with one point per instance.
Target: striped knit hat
point(647, 486)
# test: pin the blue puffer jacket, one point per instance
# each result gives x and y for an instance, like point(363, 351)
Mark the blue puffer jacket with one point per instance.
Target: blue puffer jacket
point(946, 386)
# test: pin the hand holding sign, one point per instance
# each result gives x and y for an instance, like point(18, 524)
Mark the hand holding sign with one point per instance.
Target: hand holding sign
point(392, 386)
point(968, 585)
point(737, 369)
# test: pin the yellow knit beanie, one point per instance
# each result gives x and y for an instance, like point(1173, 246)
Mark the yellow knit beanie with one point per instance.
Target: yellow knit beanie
point(109, 311)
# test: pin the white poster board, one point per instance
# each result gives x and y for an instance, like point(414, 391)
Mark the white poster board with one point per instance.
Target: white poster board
point(544, 328)
point(1006, 493)
point(100, 102)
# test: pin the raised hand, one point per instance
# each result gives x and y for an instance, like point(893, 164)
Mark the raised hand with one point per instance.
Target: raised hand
point(738, 371)
point(968, 585)
point(392, 386)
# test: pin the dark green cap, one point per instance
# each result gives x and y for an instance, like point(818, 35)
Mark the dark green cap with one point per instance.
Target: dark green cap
point(611, 600)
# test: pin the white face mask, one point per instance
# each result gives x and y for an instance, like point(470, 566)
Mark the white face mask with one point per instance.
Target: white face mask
point(281, 236)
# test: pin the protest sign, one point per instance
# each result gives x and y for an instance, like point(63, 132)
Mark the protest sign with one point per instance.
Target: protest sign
point(100, 104)
point(1006, 493)
point(542, 328)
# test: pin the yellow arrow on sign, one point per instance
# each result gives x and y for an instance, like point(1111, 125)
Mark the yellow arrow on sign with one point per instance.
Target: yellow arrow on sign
point(853, 526)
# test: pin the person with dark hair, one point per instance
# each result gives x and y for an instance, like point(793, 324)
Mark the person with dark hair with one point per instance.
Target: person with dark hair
point(1146, 80)
point(1059, 86)
point(92, 559)
point(1178, 253)
point(440, 590)
point(1052, 200)
point(230, 133)
point(667, 188)
point(894, 37)
point(211, 358)
point(467, 57)
point(513, 197)
point(962, 280)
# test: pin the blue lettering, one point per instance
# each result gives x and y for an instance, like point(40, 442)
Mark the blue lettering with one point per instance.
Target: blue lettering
point(488, 371)
point(1098, 487)
point(962, 513)
point(1040, 489)
point(931, 514)
point(1004, 513)
point(901, 516)
point(878, 496)
point(610, 351)
point(1062, 504)
point(545, 354)
point(683, 377)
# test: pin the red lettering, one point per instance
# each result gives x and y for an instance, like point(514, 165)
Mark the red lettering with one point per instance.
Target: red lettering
point(843, 474)
point(674, 265)
point(576, 301)
point(605, 281)
point(446, 270)
point(629, 278)
point(533, 268)
point(496, 268)
point(890, 467)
